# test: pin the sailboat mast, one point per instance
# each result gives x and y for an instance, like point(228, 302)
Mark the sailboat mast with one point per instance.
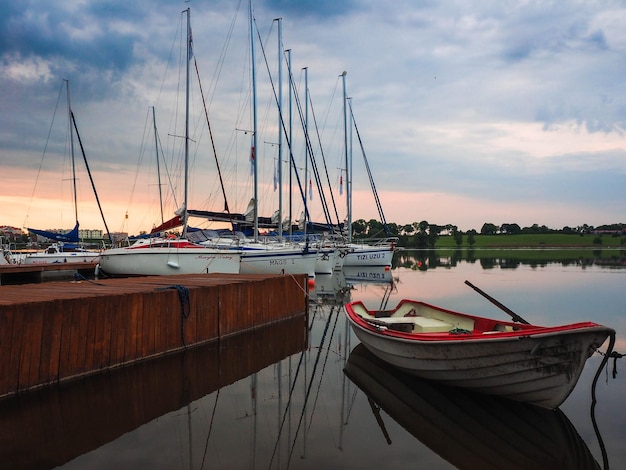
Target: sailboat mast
point(254, 129)
point(290, 140)
point(306, 152)
point(156, 145)
point(189, 54)
point(69, 114)
point(348, 168)
point(280, 128)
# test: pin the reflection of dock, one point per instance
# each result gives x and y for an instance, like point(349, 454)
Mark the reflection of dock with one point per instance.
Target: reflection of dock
point(469, 430)
point(50, 427)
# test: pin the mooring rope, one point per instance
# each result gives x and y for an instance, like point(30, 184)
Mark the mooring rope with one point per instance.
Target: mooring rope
point(185, 307)
point(80, 277)
point(605, 359)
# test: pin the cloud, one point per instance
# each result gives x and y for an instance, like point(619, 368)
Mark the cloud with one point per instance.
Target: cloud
point(518, 103)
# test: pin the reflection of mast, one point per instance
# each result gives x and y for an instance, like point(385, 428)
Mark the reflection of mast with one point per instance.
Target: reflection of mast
point(253, 391)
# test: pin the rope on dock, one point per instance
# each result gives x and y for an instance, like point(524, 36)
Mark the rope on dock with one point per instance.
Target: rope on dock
point(185, 307)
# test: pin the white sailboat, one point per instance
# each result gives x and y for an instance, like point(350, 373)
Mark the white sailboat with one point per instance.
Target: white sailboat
point(66, 247)
point(163, 256)
point(381, 253)
point(268, 256)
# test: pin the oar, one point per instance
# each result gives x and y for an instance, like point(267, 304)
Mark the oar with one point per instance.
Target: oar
point(513, 315)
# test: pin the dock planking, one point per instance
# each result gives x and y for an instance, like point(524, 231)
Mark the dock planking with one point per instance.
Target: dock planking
point(28, 273)
point(57, 331)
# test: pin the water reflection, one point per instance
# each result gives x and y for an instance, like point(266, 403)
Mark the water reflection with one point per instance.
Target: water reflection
point(50, 427)
point(278, 398)
point(510, 258)
point(470, 431)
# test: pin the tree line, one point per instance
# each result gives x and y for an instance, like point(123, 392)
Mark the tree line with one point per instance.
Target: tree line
point(424, 235)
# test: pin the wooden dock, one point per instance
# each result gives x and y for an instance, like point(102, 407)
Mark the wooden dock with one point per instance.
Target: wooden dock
point(29, 273)
point(57, 331)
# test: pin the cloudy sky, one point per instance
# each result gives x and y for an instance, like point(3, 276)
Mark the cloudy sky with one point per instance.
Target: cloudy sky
point(469, 112)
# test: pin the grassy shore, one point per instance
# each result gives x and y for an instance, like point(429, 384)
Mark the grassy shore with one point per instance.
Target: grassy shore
point(548, 240)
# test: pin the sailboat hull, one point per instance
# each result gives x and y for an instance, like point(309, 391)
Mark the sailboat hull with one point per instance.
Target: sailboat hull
point(278, 260)
point(369, 255)
point(69, 257)
point(168, 260)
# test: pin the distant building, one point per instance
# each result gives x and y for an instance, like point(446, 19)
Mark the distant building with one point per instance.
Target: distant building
point(119, 236)
point(90, 234)
point(11, 233)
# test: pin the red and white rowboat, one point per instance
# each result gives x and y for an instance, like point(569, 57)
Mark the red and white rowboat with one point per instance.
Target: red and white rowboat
point(527, 363)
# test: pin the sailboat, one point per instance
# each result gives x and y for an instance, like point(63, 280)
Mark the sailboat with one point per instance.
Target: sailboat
point(66, 246)
point(268, 255)
point(171, 255)
point(379, 254)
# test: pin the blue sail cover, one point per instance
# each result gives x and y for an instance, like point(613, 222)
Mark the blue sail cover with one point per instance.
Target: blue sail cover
point(71, 236)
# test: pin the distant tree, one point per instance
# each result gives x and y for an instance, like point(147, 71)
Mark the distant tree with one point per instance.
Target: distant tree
point(458, 238)
point(394, 229)
point(488, 229)
point(358, 228)
point(510, 229)
point(375, 229)
point(408, 229)
point(470, 237)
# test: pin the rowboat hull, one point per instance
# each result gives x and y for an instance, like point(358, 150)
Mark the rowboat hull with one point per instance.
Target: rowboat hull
point(527, 363)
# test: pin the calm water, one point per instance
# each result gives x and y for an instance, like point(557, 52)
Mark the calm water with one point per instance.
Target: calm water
point(280, 398)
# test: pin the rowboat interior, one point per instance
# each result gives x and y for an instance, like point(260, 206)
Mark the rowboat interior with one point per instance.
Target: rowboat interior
point(418, 318)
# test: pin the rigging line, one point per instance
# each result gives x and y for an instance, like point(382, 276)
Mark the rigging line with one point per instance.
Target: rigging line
point(319, 385)
point(308, 392)
point(56, 107)
point(167, 172)
point(206, 444)
point(319, 138)
point(311, 155)
point(93, 186)
point(302, 191)
point(217, 163)
point(369, 173)
point(222, 56)
point(287, 407)
point(139, 163)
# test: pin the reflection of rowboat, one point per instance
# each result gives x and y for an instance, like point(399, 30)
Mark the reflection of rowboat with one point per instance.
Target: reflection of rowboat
point(522, 362)
point(470, 430)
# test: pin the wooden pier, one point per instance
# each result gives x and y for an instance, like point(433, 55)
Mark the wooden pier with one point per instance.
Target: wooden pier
point(57, 331)
point(28, 273)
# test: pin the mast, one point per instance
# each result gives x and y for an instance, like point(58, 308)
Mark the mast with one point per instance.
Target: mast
point(280, 129)
point(306, 139)
point(189, 54)
point(254, 129)
point(348, 162)
point(69, 114)
point(156, 145)
point(290, 140)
